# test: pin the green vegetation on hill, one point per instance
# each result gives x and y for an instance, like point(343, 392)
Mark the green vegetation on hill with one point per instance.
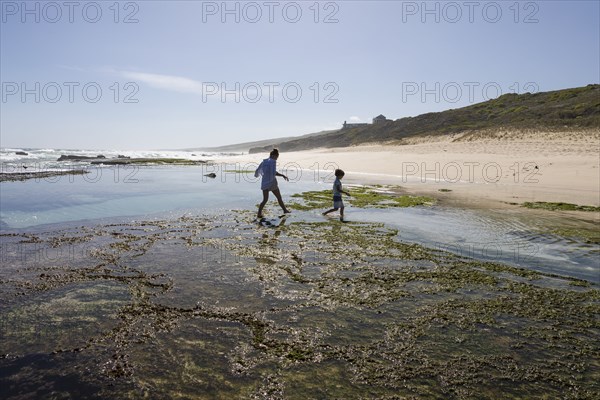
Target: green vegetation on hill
point(568, 109)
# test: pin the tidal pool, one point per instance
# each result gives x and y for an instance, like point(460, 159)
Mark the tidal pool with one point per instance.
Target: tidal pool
point(220, 306)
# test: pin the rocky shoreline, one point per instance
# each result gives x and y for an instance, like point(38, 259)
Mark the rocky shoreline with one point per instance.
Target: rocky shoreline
point(148, 161)
point(99, 160)
point(124, 160)
point(366, 313)
point(15, 177)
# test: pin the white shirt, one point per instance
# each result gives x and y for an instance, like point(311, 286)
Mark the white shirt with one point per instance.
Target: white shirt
point(268, 169)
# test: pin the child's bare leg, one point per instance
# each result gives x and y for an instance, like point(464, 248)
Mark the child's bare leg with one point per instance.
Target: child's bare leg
point(330, 211)
point(277, 194)
point(262, 205)
point(342, 213)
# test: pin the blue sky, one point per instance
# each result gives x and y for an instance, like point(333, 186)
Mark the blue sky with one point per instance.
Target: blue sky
point(168, 75)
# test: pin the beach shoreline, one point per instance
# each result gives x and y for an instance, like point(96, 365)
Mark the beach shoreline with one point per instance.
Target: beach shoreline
point(23, 176)
point(500, 171)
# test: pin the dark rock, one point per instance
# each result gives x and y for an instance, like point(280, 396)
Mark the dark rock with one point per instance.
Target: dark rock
point(114, 161)
point(211, 175)
point(122, 156)
point(147, 161)
point(21, 153)
point(13, 177)
point(78, 158)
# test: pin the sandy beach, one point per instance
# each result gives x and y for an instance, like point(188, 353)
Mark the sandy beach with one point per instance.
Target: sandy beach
point(503, 167)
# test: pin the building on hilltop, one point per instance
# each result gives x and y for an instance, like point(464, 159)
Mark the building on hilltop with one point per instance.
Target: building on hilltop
point(380, 119)
point(354, 125)
point(377, 120)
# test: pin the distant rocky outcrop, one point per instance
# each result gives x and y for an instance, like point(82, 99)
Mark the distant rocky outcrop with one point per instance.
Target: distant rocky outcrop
point(79, 158)
point(21, 153)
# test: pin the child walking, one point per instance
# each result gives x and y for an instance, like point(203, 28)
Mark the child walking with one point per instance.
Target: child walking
point(338, 203)
point(268, 170)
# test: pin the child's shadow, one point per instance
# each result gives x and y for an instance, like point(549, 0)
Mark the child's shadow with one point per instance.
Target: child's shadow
point(272, 222)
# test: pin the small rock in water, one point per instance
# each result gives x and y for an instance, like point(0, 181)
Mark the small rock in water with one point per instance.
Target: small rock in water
point(211, 175)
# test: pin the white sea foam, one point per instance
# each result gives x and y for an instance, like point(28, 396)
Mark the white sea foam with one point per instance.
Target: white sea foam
point(47, 159)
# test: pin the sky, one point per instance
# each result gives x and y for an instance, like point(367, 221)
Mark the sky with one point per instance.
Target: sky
point(183, 74)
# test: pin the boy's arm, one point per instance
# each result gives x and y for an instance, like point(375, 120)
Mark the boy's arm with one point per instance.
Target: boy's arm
point(339, 188)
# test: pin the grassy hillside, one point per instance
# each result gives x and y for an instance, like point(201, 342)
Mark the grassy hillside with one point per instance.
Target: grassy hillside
point(568, 109)
point(244, 147)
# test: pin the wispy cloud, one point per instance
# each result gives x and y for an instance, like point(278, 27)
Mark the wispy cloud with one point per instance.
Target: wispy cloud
point(166, 82)
point(215, 91)
point(354, 118)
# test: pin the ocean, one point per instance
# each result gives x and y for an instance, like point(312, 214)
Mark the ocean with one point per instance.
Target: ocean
point(46, 159)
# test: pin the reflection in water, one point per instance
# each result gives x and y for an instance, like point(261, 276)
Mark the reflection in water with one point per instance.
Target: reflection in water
point(534, 240)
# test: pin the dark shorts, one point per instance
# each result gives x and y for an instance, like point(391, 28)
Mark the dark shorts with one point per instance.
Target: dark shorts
point(338, 202)
point(272, 187)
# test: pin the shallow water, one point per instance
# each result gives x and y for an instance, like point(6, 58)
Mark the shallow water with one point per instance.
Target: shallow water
point(516, 237)
point(122, 191)
point(519, 237)
point(160, 290)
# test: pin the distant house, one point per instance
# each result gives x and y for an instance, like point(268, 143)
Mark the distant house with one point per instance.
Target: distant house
point(377, 120)
point(380, 119)
point(354, 125)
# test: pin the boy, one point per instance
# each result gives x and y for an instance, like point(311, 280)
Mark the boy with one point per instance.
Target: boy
point(338, 203)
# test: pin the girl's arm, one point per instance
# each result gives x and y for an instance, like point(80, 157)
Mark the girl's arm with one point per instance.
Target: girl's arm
point(282, 175)
point(258, 171)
